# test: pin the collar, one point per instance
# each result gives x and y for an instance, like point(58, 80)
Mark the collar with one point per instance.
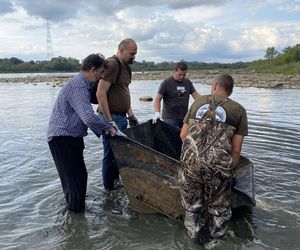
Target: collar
point(82, 77)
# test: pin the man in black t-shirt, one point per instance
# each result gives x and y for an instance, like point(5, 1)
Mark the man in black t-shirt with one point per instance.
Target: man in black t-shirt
point(175, 92)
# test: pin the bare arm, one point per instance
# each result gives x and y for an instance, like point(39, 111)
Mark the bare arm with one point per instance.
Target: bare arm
point(237, 142)
point(130, 112)
point(101, 94)
point(184, 131)
point(157, 101)
point(195, 95)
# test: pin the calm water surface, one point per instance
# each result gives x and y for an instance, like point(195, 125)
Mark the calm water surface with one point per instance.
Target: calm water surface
point(32, 207)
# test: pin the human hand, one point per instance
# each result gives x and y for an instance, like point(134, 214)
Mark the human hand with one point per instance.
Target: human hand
point(155, 117)
point(113, 124)
point(133, 121)
point(111, 130)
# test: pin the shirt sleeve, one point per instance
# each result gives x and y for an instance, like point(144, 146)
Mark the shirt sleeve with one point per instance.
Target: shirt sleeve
point(162, 88)
point(242, 128)
point(111, 72)
point(192, 88)
point(79, 100)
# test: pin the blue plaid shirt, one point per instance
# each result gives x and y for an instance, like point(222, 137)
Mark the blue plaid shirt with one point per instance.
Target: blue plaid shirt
point(73, 113)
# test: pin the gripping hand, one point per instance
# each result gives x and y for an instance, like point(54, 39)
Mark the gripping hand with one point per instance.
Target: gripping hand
point(133, 121)
point(155, 117)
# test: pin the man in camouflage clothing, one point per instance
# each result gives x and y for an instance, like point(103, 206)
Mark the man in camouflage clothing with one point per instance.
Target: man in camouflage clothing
point(212, 135)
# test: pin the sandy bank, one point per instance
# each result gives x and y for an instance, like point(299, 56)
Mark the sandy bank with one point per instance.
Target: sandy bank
point(242, 79)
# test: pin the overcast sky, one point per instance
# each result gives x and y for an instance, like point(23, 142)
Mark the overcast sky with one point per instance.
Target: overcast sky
point(165, 30)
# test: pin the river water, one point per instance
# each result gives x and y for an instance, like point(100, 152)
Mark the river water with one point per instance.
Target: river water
point(32, 208)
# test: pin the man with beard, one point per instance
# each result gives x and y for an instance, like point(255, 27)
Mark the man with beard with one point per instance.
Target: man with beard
point(71, 116)
point(175, 92)
point(114, 103)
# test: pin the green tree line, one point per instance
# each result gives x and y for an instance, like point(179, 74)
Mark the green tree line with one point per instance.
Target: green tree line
point(56, 64)
point(194, 65)
point(286, 62)
point(61, 64)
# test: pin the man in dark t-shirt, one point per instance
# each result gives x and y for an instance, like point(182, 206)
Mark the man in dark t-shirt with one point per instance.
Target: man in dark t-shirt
point(175, 92)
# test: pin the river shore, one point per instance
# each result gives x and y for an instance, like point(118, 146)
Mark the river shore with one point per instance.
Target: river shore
point(242, 78)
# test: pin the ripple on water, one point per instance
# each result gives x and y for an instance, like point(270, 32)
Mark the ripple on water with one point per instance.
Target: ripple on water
point(33, 210)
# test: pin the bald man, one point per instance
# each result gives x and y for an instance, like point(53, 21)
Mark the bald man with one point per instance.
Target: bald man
point(114, 102)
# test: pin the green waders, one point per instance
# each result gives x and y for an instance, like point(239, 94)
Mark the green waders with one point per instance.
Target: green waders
point(205, 177)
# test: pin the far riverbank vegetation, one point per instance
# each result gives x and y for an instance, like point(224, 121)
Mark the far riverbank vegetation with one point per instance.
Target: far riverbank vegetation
point(286, 62)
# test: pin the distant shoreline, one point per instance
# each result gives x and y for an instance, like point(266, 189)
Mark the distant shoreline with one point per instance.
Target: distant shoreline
point(242, 78)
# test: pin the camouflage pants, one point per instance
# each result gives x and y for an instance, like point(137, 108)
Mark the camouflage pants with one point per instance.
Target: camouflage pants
point(205, 177)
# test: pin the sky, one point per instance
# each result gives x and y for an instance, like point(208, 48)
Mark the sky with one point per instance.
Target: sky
point(222, 31)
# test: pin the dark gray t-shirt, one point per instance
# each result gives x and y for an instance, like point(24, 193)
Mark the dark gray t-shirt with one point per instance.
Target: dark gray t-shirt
point(175, 97)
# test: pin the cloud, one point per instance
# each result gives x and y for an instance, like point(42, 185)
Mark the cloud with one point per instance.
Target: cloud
point(6, 6)
point(283, 5)
point(179, 4)
point(60, 10)
point(165, 30)
point(116, 5)
point(50, 9)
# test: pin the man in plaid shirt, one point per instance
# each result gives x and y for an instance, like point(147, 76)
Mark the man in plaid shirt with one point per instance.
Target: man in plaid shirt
point(72, 115)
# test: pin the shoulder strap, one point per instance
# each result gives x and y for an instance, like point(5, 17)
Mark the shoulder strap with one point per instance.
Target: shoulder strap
point(211, 111)
point(93, 89)
point(120, 67)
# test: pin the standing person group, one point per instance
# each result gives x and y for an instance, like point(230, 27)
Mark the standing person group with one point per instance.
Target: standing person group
point(212, 135)
point(73, 114)
point(175, 92)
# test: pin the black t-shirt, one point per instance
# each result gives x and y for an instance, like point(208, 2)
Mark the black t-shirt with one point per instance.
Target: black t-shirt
point(175, 97)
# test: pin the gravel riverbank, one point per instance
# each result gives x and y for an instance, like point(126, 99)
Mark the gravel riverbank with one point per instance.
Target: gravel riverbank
point(242, 79)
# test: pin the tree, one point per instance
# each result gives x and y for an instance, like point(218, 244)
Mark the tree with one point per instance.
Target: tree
point(15, 60)
point(293, 52)
point(271, 52)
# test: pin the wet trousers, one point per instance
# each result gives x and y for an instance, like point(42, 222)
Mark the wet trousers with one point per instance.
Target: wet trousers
point(175, 122)
point(67, 153)
point(110, 171)
point(206, 198)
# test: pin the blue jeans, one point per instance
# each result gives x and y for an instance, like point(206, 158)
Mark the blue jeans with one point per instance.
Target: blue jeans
point(110, 170)
point(174, 122)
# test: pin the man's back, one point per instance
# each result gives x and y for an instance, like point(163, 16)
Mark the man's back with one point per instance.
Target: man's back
point(230, 112)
